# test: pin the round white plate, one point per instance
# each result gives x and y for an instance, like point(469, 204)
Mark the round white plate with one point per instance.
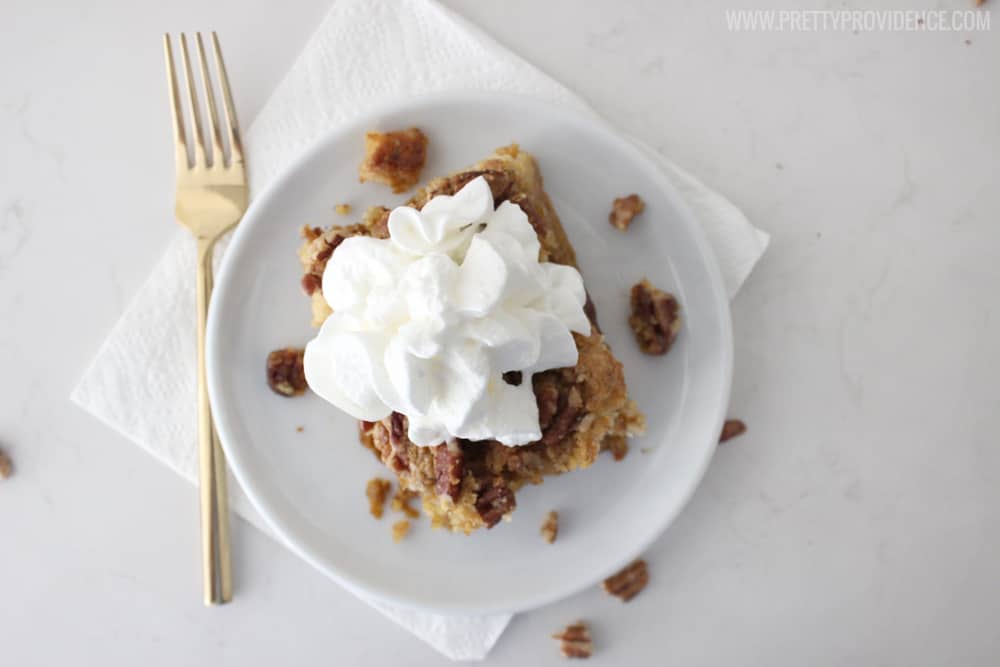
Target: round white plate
point(310, 485)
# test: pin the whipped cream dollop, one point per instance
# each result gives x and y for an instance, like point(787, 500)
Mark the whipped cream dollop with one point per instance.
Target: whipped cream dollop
point(426, 322)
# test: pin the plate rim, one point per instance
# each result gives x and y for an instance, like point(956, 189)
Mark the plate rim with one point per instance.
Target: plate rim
point(221, 414)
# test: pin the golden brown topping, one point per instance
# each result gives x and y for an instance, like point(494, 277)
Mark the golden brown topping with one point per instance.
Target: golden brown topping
point(285, 375)
point(377, 491)
point(618, 446)
point(624, 210)
point(731, 429)
point(342, 209)
point(655, 318)
point(401, 503)
point(550, 528)
point(394, 158)
point(6, 466)
point(629, 582)
point(575, 641)
point(399, 530)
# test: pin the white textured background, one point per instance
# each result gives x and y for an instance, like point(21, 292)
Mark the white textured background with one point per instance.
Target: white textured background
point(856, 524)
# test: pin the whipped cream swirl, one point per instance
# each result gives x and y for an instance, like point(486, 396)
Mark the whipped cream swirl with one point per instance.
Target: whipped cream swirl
point(426, 322)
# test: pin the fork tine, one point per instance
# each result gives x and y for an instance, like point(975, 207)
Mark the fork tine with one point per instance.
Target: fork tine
point(218, 157)
point(180, 141)
point(199, 142)
point(235, 145)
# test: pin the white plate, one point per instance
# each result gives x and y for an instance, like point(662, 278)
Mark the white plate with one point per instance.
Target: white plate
point(310, 485)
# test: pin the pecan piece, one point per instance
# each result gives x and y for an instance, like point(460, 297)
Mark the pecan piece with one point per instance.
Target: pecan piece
point(731, 429)
point(285, 375)
point(575, 641)
point(550, 527)
point(570, 407)
point(655, 318)
point(398, 459)
point(494, 501)
point(377, 491)
point(394, 158)
point(629, 582)
point(624, 210)
point(448, 468)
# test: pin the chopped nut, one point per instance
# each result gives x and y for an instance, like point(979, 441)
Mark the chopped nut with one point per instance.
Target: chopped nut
point(377, 491)
point(399, 530)
point(629, 582)
point(655, 318)
point(494, 502)
point(624, 210)
point(394, 158)
point(448, 469)
point(731, 429)
point(6, 466)
point(550, 528)
point(342, 209)
point(285, 374)
point(575, 641)
point(401, 503)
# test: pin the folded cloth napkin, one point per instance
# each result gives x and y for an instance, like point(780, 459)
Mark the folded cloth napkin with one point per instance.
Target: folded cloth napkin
point(363, 53)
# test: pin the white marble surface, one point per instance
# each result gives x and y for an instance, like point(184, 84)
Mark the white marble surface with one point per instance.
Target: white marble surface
point(855, 524)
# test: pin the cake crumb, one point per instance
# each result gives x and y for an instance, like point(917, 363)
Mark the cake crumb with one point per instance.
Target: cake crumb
point(6, 465)
point(629, 582)
point(575, 641)
point(731, 429)
point(401, 503)
point(550, 527)
point(655, 318)
point(394, 158)
point(377, 491)
point(624, 210)
point(342, 209)
point(399, 530)
point(299, 429)
point(618, 446)
point(285, 374)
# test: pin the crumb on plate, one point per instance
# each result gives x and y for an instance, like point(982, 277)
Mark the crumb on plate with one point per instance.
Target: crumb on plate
point(377, 491)
point(550, 527)
point(624, 210)
point(399, 530)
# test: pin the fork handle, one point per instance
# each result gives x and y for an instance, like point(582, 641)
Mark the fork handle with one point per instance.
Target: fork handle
point(216, 565)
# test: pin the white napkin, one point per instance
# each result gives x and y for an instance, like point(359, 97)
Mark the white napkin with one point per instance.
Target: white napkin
point(363, 53)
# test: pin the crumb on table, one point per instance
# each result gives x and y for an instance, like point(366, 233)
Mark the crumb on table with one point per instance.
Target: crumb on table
point(628, 582)
point(624, 210)
point(731, 429)
point(401, 503)
point(377, 491)
point(575, 641)
point(394, 158)
point(655, 318)
point(6, 465)
point(299, 429)
point(285, 374)
point(342, 209)
point(550, 527)
point(399, 530)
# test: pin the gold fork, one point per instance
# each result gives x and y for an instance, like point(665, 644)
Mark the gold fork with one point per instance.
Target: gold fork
point(211, 199)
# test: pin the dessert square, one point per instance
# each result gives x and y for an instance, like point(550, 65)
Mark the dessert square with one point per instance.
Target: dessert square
point(466, 485)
